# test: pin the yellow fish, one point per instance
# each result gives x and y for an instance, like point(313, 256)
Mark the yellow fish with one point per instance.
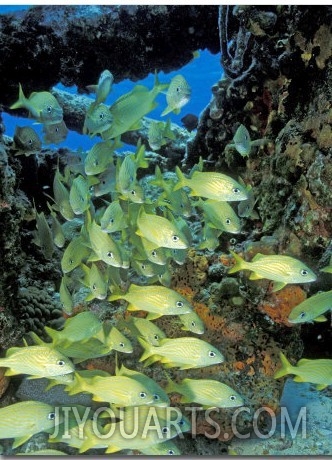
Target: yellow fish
point(160, 231)
point(178, 95)
point(160, 397)
point(183, 352)
point(115, 339)
point(148, 431)
point(24, 419)
point(128, 110)
point(103, 246)
point(159, 134)
point(75, 252)
point(26, 141)
point(280, 269)
point(79, 195)
point(96, 281)
point(220, 215)
point(43, 106)
point(55, 133)
point(65, 295)
point(79, 328)
point(192, 322)
point(98, 158)
point(103, 87)
point(57, 230)
point(37, 361)
point(145, 328)
point(97, 120)
point(61, 197)
point(208, 393)
point(317, 371)
point(118, 390)
point(113, 218)
point(157, 300)
point(43, 236)
point(213, 185)
point(312, 309)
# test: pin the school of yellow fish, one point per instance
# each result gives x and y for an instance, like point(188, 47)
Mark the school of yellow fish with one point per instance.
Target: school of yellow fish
point(118, 232)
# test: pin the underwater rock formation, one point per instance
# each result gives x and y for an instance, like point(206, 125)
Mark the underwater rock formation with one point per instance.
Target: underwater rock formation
point(78, 42)
point(277, 83)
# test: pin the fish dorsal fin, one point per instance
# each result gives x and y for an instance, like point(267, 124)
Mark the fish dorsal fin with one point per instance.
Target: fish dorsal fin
point(255, 276)
point(321, 386)
point(12, 351)
point(303, 361)
point(258, 256)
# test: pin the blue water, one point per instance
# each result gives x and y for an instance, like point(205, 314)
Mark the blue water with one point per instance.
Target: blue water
point(201, 73)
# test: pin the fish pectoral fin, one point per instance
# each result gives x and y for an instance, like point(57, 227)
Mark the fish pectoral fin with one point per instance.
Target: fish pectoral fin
point(277, 285)
point(321, 386)
point(152, 316)
point(21, 440)
point(112, 449)
point(11, 372)
point(297, 378)
point(255, 276)
point(320, 319)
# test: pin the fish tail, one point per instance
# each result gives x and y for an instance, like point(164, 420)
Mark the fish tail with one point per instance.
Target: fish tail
point(181, 177)
point(77, 386)
point(168, 130)
point(22, 100)
point(286, 367)
point(240, 264)
point(171, 386)
point(147, 349)
point(158, 87)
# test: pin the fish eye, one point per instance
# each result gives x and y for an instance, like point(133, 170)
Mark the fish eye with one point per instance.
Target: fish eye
point(302, 314)
point(143, 266)
point(165, 429)
point(121, 344)
point(30, 141)
point(304, 272)
point(178, 89)
point(156, 397)
point(101, 115)
point(193, 323)
point(96, 163)
point(142, 394)
point(94, 287)
point(175, 238)
point(170, 452)
point(57, 130)
point(181, 422)
point(236, 190)
point(228, 221)
point(179, 303)
point(61, 363)
point(156, 337)
point(110, 254)
point(133, 192)
point(70, 261)
point(232, 398)
point(51, 416)
point(212, 354)
point(49, 108)
point(111, 221)
point(154, 253)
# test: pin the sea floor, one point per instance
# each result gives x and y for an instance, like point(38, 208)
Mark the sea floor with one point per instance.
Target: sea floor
point(303, 427)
